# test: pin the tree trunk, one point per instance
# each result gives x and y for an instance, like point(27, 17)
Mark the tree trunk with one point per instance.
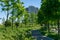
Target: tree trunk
point(12, 22)
point(58, 29)
point(47, 27)
point(7, 14)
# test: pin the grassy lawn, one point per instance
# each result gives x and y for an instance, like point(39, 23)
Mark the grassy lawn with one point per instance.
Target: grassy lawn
point(7, 33)
point(20, 33)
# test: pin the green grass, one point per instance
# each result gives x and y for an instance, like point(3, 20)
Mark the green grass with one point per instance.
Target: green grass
point(20, 33)
point(7, 33)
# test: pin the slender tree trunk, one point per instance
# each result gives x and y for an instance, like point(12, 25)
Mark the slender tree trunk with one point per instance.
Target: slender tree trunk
point(48, 28)
point(12, 21)
point(46, 25)
point(7, 14)
point(18, 22)
point(12, 16)
point(58, 29)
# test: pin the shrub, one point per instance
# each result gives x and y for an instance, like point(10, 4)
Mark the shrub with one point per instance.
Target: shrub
point(7, 23)
point(43, 30)
point(17, 24)
point(55, 36)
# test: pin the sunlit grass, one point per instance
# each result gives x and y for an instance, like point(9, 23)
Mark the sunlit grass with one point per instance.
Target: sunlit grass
point(11, 33)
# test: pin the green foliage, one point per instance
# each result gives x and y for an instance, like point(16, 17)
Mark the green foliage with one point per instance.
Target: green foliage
point(43, 30)
point(40, 17)
point(49, 11)
point(17, 24)
point(7, 23)
point(20, 33)
point(6, 6)
point(54, 36)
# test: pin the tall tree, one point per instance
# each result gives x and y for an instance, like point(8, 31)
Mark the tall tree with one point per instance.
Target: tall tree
point(5, 4)
point(18, 10)
point(49, 10)
point(14, 7)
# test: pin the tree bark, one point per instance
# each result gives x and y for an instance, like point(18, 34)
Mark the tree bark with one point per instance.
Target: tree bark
point(7, 14)
point(48, 27)
point(58, 28)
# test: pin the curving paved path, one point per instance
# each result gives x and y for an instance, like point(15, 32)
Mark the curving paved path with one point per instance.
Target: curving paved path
point(37, 35)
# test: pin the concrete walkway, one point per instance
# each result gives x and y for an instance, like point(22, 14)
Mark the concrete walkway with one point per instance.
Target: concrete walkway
point(37, 35)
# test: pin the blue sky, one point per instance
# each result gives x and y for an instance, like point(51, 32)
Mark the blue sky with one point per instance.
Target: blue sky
point(36, 3)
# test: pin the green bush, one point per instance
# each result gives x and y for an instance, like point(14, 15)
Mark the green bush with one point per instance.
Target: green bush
point(43, 30)
point(16, 24)
point(7, 23)
point(54, 36)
